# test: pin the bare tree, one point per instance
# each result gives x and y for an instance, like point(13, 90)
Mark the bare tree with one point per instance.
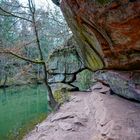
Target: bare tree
point(41, 60)
point(33, 10)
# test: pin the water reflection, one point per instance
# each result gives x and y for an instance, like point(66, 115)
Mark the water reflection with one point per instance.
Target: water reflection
point(19, 106)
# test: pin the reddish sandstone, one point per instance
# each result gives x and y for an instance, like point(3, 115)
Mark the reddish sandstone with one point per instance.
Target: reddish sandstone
point(111, 31)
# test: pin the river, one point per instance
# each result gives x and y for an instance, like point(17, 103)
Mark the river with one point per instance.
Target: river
point(20, 109)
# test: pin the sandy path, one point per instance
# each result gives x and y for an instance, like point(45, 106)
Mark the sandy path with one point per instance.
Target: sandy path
point(91, 116)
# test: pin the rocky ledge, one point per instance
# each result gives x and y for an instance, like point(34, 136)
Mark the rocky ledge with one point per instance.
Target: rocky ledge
point(95, 115)
point(107, 32)
point(123, 83)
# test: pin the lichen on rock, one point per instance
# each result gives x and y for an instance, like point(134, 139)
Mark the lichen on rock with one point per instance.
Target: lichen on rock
point(107, 33)
point(64, 62)
point(108, 37)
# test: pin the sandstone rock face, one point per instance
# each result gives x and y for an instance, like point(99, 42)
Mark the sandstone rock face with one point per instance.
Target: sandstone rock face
point(64, 62)
point(124, 83)
point(107, 32)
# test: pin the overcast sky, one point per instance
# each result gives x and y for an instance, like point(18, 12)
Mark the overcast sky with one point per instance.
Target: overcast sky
point(39, 3)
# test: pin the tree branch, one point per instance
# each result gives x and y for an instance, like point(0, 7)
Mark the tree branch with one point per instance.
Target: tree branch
point(9, 14)
point(23, 58)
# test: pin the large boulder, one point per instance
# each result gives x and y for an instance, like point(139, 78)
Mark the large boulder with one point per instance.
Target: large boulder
point(123, 83)
point(64, 63)
point(107, 32)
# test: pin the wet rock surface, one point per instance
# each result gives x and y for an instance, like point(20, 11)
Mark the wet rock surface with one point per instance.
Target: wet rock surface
point(91, 116)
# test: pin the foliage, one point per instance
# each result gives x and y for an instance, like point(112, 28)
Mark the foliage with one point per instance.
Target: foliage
point(17, 35)
point(61, 95)
point(84, 79)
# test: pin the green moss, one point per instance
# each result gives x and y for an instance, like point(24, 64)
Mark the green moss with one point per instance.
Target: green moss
point(84, 79)
point(61, 95)
point(92, 59)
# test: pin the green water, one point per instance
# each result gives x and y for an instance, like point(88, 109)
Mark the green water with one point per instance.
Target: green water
point(20, 109)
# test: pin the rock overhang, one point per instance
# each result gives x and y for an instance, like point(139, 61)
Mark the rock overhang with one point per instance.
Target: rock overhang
point(107, 32)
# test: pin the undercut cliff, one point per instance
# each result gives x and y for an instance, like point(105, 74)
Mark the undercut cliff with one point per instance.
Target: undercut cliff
point(107, 31)
point(108, 37)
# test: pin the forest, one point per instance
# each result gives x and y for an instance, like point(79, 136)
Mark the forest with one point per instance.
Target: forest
point(37, 48)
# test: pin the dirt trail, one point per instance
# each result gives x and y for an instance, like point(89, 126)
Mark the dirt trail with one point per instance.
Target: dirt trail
point(91, 116)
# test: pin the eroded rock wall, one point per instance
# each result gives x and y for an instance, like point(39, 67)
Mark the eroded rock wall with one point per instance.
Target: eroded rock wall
point(64, 63)
point(108, 37)
point(107, 32)
point(123, 83)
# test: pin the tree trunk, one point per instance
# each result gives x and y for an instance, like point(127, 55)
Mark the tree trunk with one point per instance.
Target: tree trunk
point(52, 101)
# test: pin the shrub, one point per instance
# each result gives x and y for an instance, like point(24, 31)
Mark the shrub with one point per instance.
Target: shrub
point(61, 95)
point(84, 79)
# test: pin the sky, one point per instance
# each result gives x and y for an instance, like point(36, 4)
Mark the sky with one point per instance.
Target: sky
point(39, 3)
